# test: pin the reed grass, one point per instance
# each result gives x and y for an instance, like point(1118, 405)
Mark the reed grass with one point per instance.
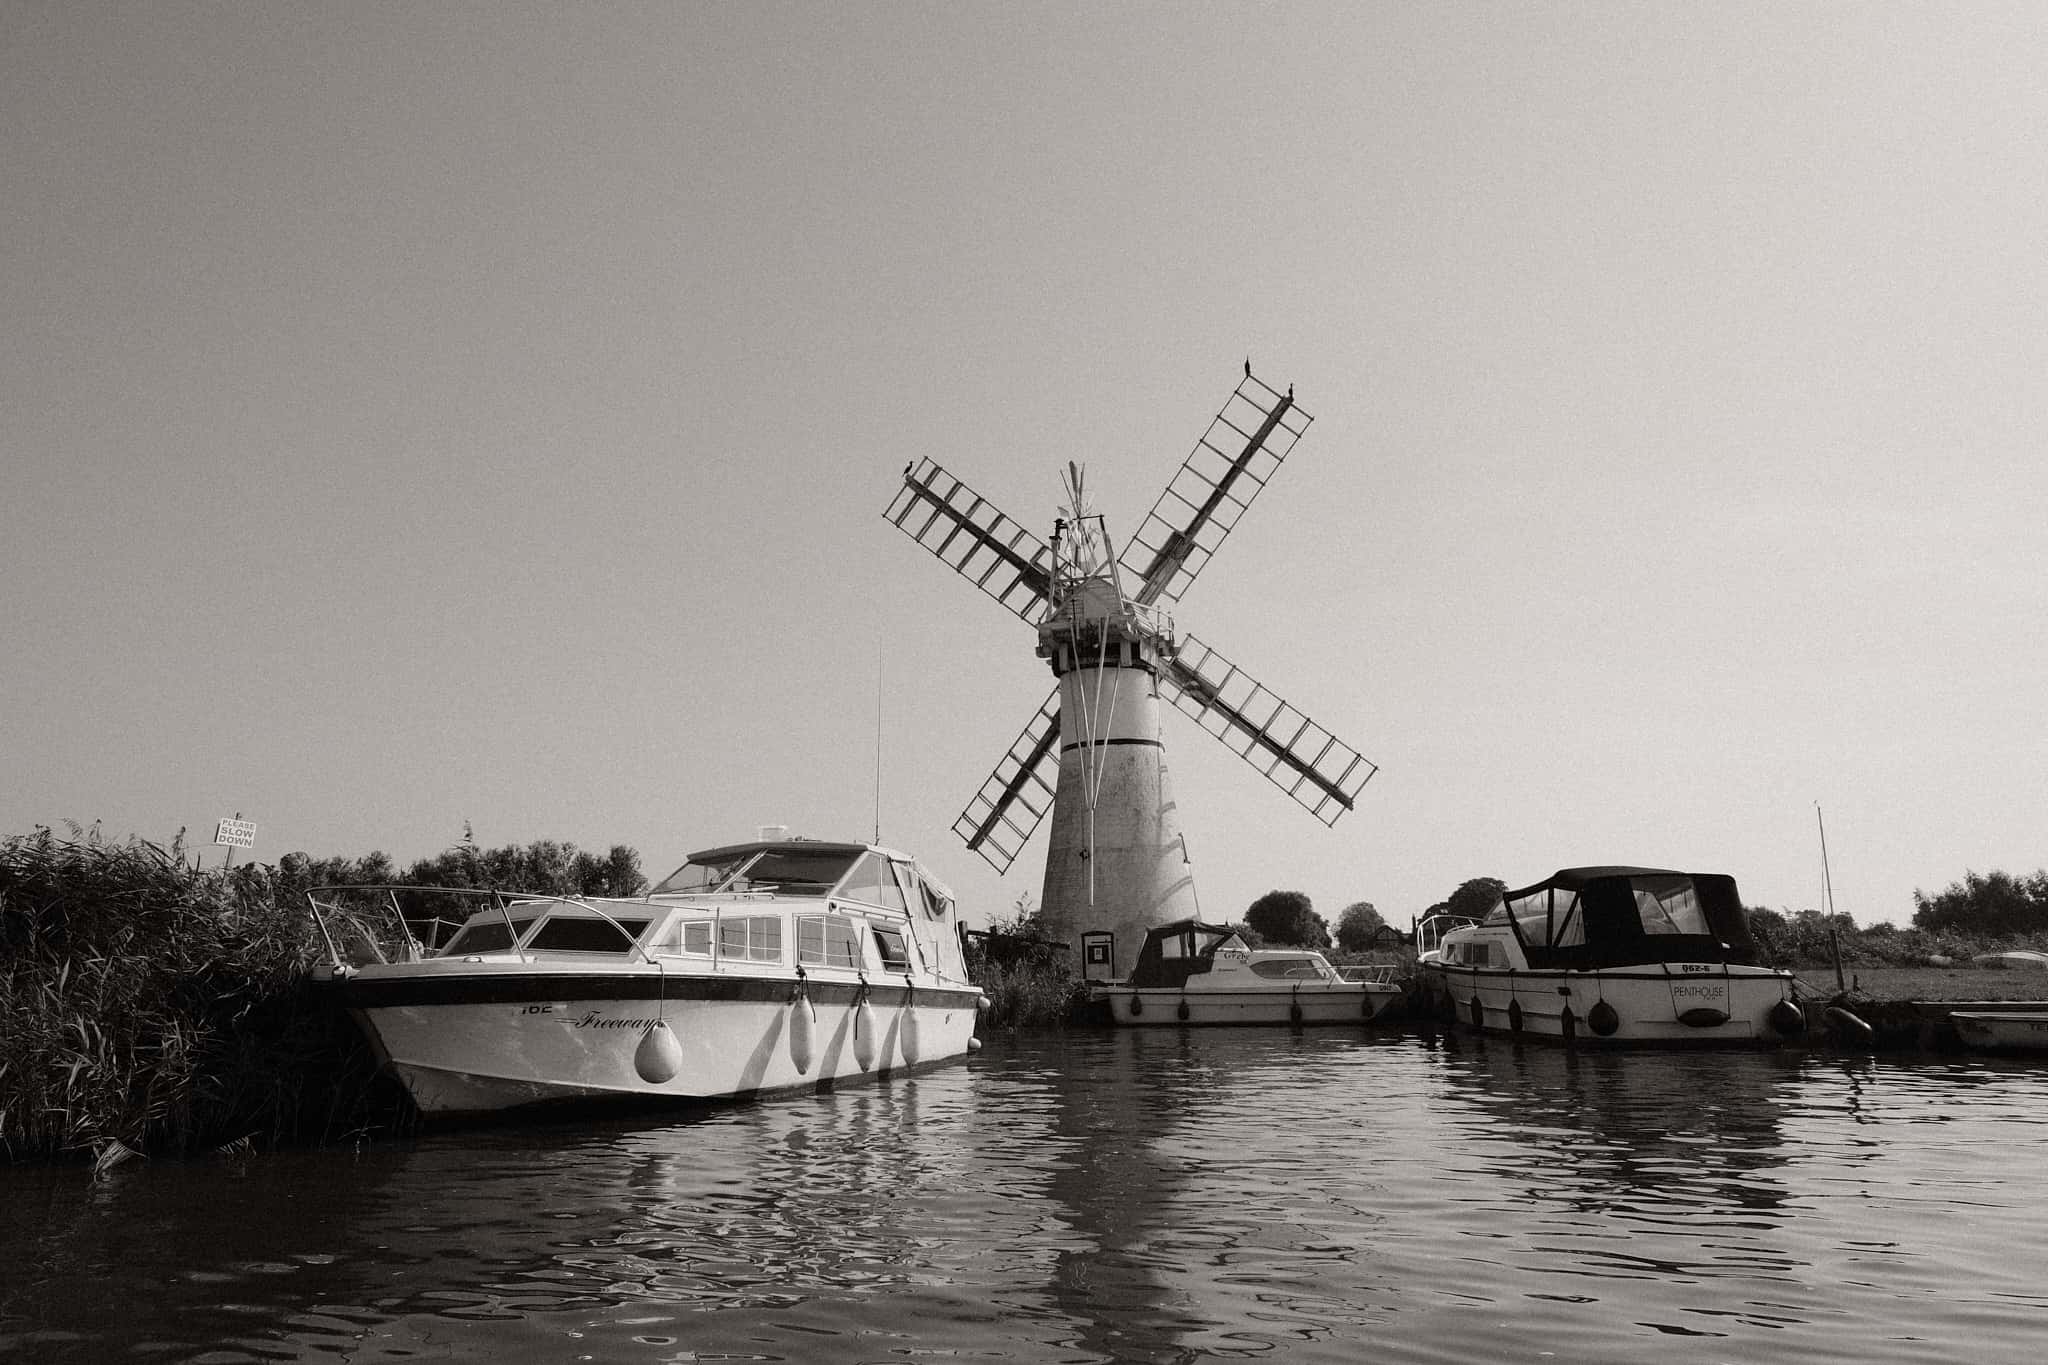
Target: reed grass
point(148, 1006)
point(1029, 994)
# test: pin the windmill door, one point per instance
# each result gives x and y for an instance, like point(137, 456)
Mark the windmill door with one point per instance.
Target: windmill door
point(1098, 955)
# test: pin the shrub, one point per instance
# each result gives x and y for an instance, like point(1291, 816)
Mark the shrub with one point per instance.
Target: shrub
point(149, 1005)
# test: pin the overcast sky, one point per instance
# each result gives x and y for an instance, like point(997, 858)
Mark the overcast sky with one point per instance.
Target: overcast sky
point(424, 414)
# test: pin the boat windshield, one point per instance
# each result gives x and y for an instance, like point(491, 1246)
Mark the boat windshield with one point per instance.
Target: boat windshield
point(1295, 968)
point(487, 933)
point(791, 871)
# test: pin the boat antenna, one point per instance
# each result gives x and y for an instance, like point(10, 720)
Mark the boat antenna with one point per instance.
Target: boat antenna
point(1827, 883)
point(878, 741)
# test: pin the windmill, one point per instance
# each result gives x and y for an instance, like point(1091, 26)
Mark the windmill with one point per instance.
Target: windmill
point(1092, 753)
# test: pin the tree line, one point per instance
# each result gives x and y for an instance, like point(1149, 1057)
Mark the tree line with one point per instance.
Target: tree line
point(1972, 912)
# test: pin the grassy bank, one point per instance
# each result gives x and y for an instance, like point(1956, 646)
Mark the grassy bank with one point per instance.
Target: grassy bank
point(1934, 983)
point(148, 1006)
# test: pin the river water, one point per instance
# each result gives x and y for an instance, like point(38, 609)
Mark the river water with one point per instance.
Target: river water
point(1161, 1196)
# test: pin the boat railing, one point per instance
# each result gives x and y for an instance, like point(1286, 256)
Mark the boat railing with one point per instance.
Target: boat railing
point(410, 947)
point(1430, 931)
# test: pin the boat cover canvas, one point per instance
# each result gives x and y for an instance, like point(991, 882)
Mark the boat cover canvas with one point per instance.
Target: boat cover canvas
point(1607, 917)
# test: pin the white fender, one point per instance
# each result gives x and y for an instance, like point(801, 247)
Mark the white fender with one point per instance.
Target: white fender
point(803, 1033)
point(910, 1039)
point(864, 1034)
point(659, 1056)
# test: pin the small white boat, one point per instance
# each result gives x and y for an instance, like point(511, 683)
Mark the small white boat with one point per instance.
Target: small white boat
point(2002, 1030)
point(1189, 972)
point(776, 965)
point(1612, 955)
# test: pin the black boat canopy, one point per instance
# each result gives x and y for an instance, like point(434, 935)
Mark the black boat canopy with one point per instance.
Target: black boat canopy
point(1174, 952)
point(1584, 917)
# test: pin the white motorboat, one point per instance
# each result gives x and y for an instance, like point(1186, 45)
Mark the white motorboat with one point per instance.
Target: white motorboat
point(774, 965)
point(2002, 1030)
point(1189, 972)
point(1612, 955)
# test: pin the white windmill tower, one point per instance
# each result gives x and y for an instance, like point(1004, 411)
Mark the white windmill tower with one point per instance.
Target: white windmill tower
point(1092, 754)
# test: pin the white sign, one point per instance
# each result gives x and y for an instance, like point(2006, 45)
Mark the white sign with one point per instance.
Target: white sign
point(236, 833)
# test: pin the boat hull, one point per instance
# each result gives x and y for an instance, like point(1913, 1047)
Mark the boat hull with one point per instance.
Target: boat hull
point(2002, 1031)
point(486, 1042)
point(1675, 1004)
point(1320, 1003)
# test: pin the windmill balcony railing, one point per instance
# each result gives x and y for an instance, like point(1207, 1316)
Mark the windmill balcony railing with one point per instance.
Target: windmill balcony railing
point(1153, 622)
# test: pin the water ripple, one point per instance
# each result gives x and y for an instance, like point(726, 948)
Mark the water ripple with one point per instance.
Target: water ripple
point(1169, 1197)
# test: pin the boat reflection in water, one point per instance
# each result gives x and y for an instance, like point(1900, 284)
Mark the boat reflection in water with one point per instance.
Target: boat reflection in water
point(1122, 1195)
point(1685, 1141)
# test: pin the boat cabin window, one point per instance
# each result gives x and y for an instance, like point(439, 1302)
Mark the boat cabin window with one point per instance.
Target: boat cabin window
point(1669, 905)
point(827, 941)
point(872, 883)
point(891, 945)
point(750, 938)
point(916, 895)
point(485, 936)
point(1293, 968)
point(1547, 917)
point(567, 934)
point(691, 937)
point(1470, 954)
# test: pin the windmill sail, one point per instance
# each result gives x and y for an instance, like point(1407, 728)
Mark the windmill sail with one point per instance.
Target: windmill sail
point(1001, 817)
point(981, 544)
point(1235, 458)
point(1298, 756)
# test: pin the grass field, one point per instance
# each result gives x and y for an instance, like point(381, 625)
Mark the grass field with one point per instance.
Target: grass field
point(1934, 983)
